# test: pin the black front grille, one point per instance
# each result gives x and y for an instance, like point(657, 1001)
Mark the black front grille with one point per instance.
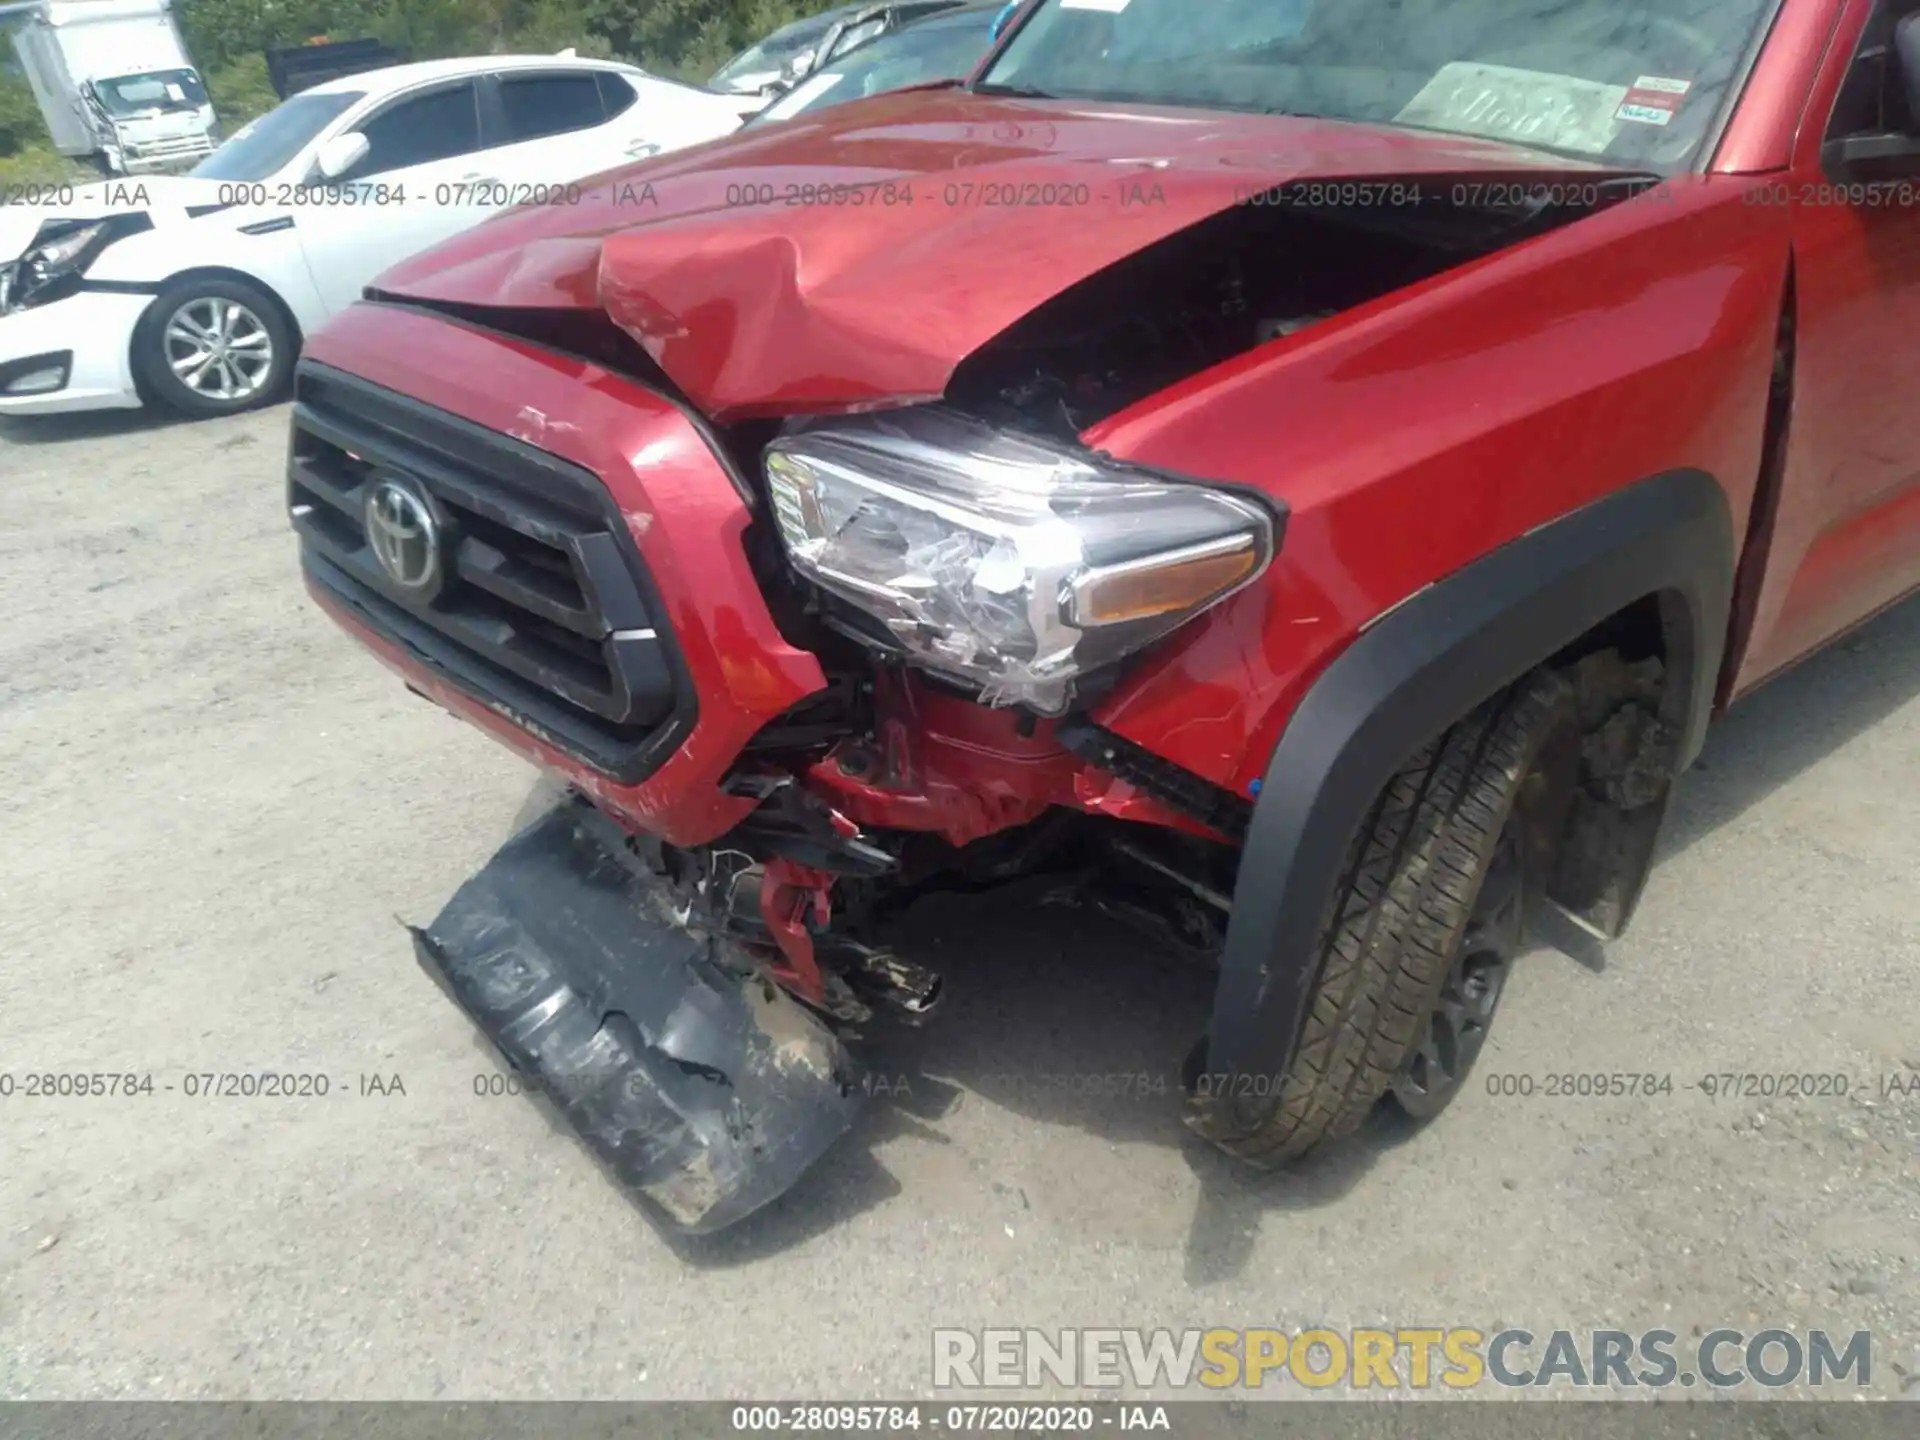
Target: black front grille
point(546, 611)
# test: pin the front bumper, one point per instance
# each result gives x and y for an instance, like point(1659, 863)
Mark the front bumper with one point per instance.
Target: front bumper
point(698, 1082)
point(485, 413)
point(163, 156)
point(93, 331)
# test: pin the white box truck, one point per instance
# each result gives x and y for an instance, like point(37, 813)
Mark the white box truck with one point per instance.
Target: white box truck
point(114, 82)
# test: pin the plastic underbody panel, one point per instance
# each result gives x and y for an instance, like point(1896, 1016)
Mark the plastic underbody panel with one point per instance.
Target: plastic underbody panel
point(697, 1081)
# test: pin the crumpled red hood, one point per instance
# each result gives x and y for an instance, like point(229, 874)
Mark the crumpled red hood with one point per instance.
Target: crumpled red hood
point(855, 259)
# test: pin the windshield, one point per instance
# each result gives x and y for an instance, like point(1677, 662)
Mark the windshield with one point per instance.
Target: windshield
point(122, 96)
point(264, 147)
point(944, 49)
point(1633, 85)
point(771, 55)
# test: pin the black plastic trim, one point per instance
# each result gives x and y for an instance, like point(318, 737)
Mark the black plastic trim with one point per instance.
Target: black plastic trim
point(698, 1083)
point(120, 287)
point(1173, 785)
point(14, 369)
point(528, 705)
point(1417, 670)
point(493, 119)
point(505, 481)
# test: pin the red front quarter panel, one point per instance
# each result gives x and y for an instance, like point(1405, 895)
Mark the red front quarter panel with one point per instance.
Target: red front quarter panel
point(684, 514)
point(1417, 433)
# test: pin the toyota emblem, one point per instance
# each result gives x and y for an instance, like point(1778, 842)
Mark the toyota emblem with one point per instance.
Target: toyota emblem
point(404, 535)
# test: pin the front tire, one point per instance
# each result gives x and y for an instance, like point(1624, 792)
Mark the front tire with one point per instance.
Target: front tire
point(213, 346)
point(1425, 923)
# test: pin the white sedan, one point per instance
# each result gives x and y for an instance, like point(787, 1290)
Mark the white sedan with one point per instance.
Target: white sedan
point(194, 291)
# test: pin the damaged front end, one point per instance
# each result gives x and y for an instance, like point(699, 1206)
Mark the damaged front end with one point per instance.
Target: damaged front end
point(55, 261)
point(699, 1082)
point(811, 602)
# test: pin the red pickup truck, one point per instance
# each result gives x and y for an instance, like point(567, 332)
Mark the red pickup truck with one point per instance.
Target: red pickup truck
point(1302, 476)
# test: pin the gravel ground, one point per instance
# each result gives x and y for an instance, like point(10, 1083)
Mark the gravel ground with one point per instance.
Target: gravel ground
point(213, 808)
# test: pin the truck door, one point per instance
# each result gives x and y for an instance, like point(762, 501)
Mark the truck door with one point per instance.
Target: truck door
point(1846, 537)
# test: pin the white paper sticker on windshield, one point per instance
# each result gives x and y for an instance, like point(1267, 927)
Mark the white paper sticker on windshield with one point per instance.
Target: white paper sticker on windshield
point(1532, 107)
point(174, 92)
point(1643, 114)
point(1112, 7)
point(1653, 100)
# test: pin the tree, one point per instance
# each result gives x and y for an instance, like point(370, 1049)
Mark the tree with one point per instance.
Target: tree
point(228, 39)
point(689, 37)
point(221, 32)
point(676, 35)
point(20, 122)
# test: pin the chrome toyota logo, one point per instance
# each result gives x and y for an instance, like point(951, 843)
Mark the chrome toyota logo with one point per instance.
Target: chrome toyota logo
point(404, 535)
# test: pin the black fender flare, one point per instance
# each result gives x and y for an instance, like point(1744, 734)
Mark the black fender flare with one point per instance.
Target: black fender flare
point(1416, 670)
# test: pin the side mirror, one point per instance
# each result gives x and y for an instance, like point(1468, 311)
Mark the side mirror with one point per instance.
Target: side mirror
point(1906, 61)
point(1868, 158)
point(340, 154)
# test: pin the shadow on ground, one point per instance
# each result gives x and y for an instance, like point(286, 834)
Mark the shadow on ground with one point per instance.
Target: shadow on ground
point(1073, 1021)
point(1797, 720)
point(1070, 1020)
point(83, 426)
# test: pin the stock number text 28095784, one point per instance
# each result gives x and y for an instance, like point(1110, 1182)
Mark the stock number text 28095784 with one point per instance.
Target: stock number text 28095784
point(889, 194)
point(1013, 1418)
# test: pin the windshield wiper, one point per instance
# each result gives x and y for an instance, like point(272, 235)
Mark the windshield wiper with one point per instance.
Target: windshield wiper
point(1016, 92)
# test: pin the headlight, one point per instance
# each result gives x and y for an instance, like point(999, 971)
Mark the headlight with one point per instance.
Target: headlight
point(51, 267)
point(64, 251)
point(1002, 561)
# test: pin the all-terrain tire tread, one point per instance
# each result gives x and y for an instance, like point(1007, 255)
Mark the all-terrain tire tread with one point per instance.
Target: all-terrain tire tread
point(1400, 908)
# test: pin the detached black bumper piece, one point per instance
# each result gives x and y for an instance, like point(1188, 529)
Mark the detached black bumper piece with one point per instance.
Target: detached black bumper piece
point(701, 1085)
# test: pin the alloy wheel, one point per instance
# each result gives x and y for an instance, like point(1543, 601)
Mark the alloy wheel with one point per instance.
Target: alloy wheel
point(1453, 1033)
point(218, 348)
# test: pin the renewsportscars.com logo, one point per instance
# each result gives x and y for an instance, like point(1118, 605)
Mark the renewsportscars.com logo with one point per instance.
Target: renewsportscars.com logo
point(1457, 1358)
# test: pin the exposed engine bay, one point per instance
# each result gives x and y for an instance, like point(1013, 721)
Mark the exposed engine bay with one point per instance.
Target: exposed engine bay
point(1270, 266)
point(867, 797)
point(867, 802)
point(970, 577)
point(865, 793)
point(1273, 264)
